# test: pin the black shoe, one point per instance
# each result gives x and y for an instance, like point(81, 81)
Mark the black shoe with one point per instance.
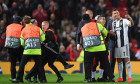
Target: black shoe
point(17, 81)
point(28, 79)
point(35, 80)
point(43, 81)
point(59, 79)
point(111, 80)
point(93, 80)
point(101, 80)
point(87, 80)
point(21, 81)
point(68, 66)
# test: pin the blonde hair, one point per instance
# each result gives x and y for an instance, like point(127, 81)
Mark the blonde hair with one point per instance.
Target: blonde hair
point(26, 19)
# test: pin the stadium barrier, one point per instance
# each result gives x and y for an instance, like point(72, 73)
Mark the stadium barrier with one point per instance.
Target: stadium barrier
point(78, 67)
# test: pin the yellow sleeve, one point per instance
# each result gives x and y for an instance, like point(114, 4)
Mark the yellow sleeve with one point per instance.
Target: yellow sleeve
point(22, 40)
point(42, 35)
point(102, 30)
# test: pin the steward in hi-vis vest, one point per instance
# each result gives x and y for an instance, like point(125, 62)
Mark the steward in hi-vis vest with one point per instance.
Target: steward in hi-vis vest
point(12, 43)
point(13, 33)
point(50, 52)
point(31, 38)
point(92, 37)
point(94, 46)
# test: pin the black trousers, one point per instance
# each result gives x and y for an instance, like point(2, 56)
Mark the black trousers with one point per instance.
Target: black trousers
point(88, 60)
point(15, 55)
point(47, 57)
point(24, 60)
point(112, 59)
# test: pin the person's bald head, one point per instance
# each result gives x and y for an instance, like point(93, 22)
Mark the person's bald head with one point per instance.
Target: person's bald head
point(90, 13)
point(34, 22)
point(45, 25)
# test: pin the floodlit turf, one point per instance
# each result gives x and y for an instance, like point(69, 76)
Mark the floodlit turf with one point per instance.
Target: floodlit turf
point(70, 79)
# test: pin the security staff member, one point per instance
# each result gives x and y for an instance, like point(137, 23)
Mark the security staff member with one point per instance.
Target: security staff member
point(31, 38)
point(94, 47)
point(48, 56)
point(48, 52)
point(13, 32)
point(102, 76)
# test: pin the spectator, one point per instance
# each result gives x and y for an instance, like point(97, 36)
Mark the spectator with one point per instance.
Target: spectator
point(4, 55)
point(53, 9)
point(80, 5)
point(63, 53)
point(20, 5)
point(12, 9)
point(2, 27)
point(74, 54)
point(115, 3)
point(5, 8)
point(131, 3)
point(138, 55)
point(69, 47)
point(68, 31)
point(54, 22)
point(1, 11)
point(2, 34)
point(137, 31)
point(2, 40)
point(66, 40)
point(39, 14)
point(133, 28)
point(5, 18)
point(81, 12)
point(27, 9)
point(69, 10)
point(47, 4)
point(65, 23)
point(101, 8)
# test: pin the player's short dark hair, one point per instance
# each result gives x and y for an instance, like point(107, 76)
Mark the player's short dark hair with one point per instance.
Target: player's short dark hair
point(17, 19)
point(114, 10)
point(85, 17)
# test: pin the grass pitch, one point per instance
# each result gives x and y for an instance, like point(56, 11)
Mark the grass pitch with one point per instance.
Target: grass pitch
point(70, 79)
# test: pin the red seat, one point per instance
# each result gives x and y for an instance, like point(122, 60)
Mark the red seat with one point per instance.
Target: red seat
point(122, 4)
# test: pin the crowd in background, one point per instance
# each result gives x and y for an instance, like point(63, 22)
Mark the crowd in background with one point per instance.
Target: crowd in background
point(64, 17)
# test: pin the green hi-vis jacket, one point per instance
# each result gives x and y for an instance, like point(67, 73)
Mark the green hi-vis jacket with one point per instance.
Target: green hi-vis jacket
point(101, 47)
point(32, 44)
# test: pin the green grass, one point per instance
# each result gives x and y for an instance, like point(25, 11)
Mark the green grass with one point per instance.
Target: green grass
point(70, 79)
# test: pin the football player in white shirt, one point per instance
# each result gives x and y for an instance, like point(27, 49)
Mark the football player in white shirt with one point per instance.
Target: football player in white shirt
point(120, 30)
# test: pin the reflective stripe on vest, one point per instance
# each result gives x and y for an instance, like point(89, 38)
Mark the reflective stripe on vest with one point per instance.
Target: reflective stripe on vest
point(12, 42)
point(32, 43)
point(13, 33)
point(91, 35)
point(31, 36)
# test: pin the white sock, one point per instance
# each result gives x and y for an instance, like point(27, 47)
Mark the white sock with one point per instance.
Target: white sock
point(128, 66)
point(101, 73)
point(93, 74)
point(120, 69)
